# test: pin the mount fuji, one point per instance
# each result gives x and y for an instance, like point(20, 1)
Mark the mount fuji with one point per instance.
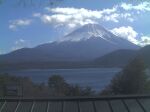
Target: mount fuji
point(86, 43)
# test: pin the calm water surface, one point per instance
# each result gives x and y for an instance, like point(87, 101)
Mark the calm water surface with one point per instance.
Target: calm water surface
point(97, 78)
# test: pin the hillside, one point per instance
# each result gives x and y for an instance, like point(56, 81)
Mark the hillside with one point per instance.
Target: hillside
point(117, 58)
point(121, 58)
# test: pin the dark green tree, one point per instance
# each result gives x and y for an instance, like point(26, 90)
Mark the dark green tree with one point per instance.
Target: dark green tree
point(75, 90)
point(58, 85)
point(131, 80)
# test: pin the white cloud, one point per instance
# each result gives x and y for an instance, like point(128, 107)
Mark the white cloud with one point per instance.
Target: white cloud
point(82, 11)
point(143, 6)
point(19, 23)
point(19, 41)
point(74, 17)
point(126, 32)
point(71, 17)
point(37, 14)
point(113, 17)
point(127, 16)
point(109, 11)
point(144, 40)
point(18, 44)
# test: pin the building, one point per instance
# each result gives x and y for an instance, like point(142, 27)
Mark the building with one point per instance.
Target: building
point(77, 104)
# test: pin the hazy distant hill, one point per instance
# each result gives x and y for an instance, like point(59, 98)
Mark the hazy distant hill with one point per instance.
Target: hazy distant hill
point(117, 58)
point(122, 57)
point(144, 53)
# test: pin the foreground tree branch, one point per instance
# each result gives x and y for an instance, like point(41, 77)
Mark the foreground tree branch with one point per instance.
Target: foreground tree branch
point(32, 3)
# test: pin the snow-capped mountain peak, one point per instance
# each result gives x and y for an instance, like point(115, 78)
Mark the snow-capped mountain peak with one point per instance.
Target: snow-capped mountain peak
point(88, 31)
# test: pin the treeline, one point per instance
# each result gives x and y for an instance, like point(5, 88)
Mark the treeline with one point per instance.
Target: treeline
point(56, 86)
point(133, 79)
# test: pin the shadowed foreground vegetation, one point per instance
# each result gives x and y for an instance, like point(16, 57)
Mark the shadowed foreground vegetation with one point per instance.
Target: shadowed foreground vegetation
point(56, 86)
point(133, 79)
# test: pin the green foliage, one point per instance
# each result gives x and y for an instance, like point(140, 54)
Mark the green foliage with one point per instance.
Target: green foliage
point(29, 88)
point(6, 79)
point(59, 87)
point(75, 90)
point(56, 81)
point(131, 80)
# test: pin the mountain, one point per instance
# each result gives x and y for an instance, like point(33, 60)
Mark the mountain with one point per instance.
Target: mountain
point(144, 53)
point(121, 58)
point(86, 43)
point(118, 58)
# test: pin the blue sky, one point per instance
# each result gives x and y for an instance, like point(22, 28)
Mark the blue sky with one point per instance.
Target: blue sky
point(31, 25)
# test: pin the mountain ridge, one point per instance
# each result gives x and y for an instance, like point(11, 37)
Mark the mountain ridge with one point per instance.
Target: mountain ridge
point(91, 46)
point(121, 58)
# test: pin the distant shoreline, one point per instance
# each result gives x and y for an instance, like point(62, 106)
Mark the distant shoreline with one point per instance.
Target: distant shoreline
point(57, 68)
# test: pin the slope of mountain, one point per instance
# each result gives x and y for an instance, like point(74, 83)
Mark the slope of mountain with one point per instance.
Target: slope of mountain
point(121, 58)
point(86, 43)
point(144, 53)
point(117, 58)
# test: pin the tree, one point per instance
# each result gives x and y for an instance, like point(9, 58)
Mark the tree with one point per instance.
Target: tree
point(131, 80)
point(58, 85)
point(76, 90)
point(26, 86)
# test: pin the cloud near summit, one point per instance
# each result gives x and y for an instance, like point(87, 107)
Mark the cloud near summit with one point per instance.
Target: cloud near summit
point(127, 32)
point(72, 17)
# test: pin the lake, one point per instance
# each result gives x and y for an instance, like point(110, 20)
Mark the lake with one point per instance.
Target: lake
point(96, 78)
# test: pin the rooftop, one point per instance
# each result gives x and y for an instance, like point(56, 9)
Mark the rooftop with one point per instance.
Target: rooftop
point(77, 104)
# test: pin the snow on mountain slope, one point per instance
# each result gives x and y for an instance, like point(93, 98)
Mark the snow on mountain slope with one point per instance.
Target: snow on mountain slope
point(86, 32)
point(96, 31)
